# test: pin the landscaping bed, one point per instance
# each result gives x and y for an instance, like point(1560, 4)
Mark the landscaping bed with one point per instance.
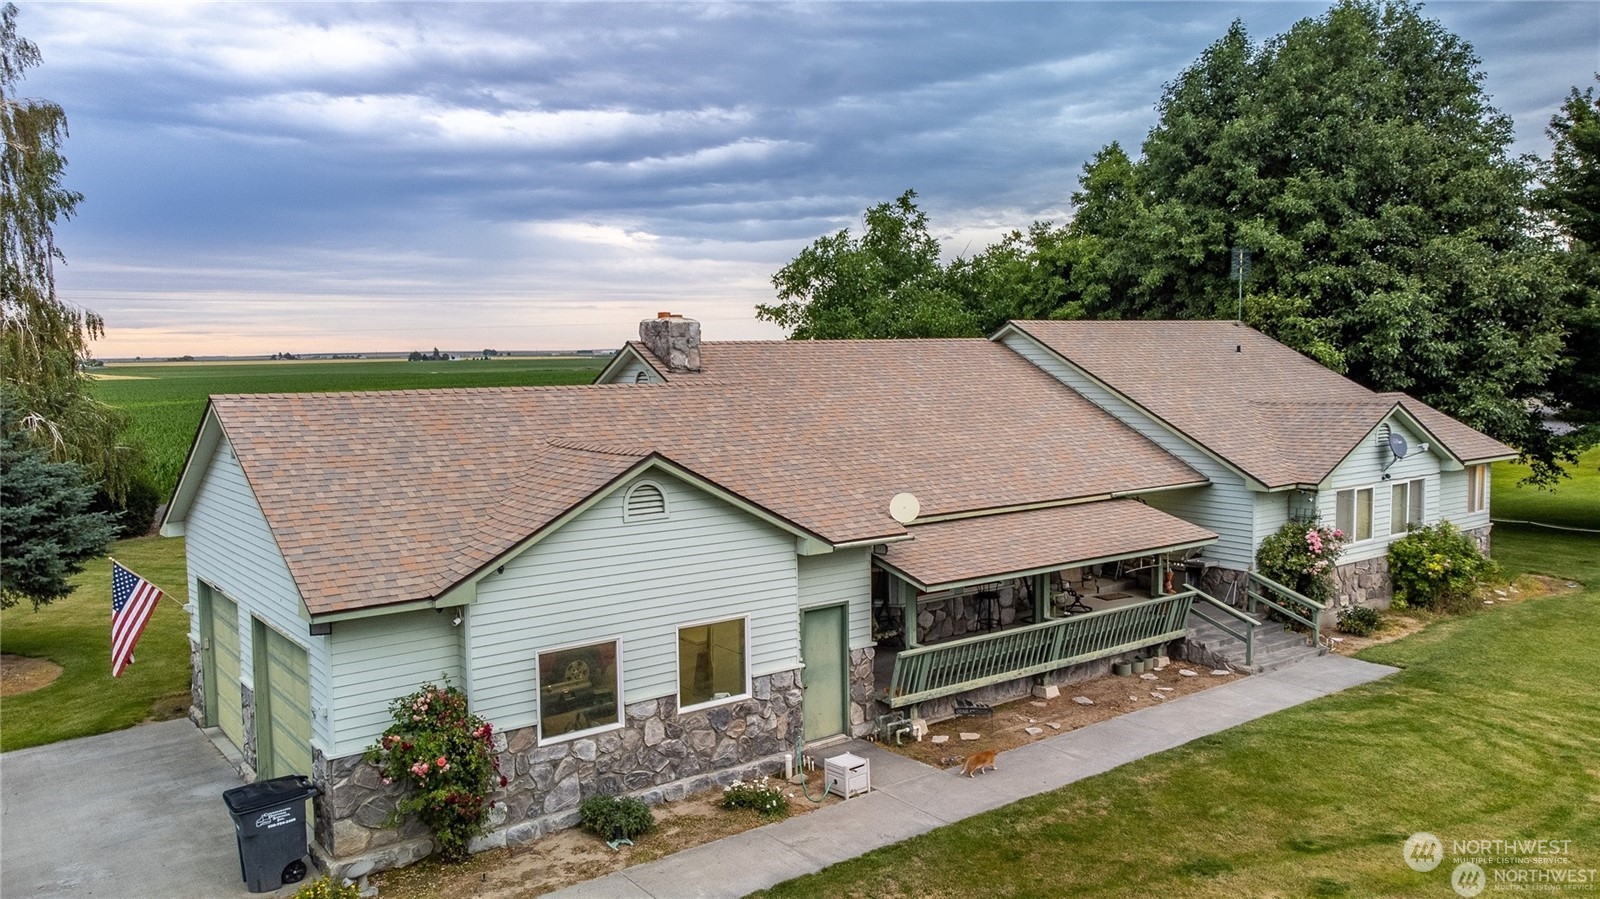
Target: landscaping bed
point(574, 855)
point(1008, 727)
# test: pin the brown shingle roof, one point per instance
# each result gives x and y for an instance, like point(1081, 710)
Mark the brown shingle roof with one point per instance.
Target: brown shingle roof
point(964, 550)
point(379, 498)
point(1278, 416)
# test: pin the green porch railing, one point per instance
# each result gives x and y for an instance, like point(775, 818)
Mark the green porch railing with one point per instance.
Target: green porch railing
point(1291, 604)
point(930, 672)
point(1246, 633)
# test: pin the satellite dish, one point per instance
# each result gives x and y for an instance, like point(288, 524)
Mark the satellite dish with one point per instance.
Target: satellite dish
point(904, 508)
point(1397, 444)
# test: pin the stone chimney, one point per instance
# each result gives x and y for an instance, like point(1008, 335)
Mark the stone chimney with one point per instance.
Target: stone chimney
point(674, 339)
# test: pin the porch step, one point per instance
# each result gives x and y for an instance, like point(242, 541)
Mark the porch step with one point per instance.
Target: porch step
point(1275, 645)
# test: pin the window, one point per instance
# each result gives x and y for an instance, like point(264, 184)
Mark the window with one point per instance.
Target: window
point(644, 501)
point(579, 688)
point(711, 662)
point(1353, 513)
point(1477, 488)
point(1405, 506)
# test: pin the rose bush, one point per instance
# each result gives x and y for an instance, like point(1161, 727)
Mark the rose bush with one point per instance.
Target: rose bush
point(1301, 556)
point(445, 754)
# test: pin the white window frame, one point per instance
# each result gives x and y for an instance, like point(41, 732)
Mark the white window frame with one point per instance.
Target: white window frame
point(628, 515)
point(538, 656)
point(677, 668)
point(1477, 488)
point(1351, 533)
point(1416, 501)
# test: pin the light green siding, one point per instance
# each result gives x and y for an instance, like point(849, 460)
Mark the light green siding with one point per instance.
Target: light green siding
point(1364, 467)
point(600, 578)
point(376, 660)
point(1226, 507)
point(230, 546)
point(841, 577)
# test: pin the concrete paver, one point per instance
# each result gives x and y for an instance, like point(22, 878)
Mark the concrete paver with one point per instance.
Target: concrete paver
point(909, 798)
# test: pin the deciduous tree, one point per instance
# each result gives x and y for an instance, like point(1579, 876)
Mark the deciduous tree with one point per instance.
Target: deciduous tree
point(1359, 157)
point(43, 340)
point(889, 282)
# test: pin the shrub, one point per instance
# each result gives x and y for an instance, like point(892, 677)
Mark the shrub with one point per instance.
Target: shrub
point(446, 754)
point(1360, 620)
point(1301, 555)
point(611, 818)
point(762, 795)
point(326, 887)
point(1436, 567)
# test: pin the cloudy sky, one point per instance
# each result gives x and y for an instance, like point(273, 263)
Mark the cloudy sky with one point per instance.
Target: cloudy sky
point(314, 177)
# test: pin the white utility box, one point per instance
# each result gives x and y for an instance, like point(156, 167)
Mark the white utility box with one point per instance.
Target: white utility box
point(847, 775)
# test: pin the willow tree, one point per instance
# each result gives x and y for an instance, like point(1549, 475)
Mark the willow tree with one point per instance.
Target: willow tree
point(45, 341)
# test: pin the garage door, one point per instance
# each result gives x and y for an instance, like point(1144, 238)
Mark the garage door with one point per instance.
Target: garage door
point(283, 705)
point(224, 643)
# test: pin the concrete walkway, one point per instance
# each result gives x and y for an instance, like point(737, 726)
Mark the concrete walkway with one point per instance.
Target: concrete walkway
point(130, 814)
point(909, 798)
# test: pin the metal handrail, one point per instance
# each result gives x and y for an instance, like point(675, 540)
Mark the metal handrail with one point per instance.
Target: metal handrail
point(1248, 637)
point(944, 669)
point(1314, 622)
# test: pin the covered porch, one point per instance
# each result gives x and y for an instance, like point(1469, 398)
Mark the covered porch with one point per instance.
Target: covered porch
point(975, 602)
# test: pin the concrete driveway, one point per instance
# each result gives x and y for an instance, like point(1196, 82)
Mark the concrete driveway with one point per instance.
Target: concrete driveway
point(130, 814)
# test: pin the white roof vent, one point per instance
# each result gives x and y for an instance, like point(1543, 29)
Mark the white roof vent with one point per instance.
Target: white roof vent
point(644, 501)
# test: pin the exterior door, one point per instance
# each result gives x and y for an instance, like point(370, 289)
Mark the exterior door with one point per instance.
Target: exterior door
point(221, 619)
point(283, 705)
point(827, 682)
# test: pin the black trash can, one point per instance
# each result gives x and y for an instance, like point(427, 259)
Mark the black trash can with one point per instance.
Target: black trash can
point(269, 819)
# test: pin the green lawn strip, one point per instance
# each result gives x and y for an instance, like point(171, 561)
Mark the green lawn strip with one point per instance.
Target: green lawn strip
point(1574, 503)
point(166, 401)
point(75, 633)
point(1525, 549)
point(1487, 733)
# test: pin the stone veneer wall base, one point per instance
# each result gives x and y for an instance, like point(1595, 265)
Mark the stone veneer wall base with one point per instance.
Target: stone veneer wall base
point(413, 844)
point(658, 754)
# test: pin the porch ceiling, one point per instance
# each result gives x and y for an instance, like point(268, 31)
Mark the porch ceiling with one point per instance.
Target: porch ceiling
point(974, 550)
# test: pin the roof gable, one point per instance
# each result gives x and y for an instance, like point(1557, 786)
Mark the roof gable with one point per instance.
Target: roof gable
point(1278, 417)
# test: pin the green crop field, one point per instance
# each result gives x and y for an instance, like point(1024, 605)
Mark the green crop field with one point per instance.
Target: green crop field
point(167, 400)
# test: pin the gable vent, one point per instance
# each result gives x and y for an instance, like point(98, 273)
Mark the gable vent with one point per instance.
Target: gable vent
point(644, 501)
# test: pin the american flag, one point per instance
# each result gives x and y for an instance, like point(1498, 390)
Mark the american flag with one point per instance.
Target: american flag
point(133, 601)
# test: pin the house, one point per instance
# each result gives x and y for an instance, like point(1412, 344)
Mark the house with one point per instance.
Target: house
point(668, 579)
point(1278, 437)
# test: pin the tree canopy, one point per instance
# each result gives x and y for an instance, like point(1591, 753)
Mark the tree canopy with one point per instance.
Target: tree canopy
point(888, 282)
point(44, 342)
point(1570, 196)
point(1357, 156)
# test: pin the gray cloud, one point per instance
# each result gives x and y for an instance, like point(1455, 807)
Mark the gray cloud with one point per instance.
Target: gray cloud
point(371, 176)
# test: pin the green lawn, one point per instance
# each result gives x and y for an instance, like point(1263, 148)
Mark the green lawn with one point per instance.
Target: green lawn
point(166, 401)
point(75, 633)
point(1574, 503)
point(1488, 733)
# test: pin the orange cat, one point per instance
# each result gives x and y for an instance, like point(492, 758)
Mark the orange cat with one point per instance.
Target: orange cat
point(978, 761)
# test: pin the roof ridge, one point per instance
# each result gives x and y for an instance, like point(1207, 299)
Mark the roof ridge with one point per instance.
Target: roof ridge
point(597, 446)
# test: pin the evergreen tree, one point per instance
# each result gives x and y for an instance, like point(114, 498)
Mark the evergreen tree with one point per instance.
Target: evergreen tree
point(47, 529)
